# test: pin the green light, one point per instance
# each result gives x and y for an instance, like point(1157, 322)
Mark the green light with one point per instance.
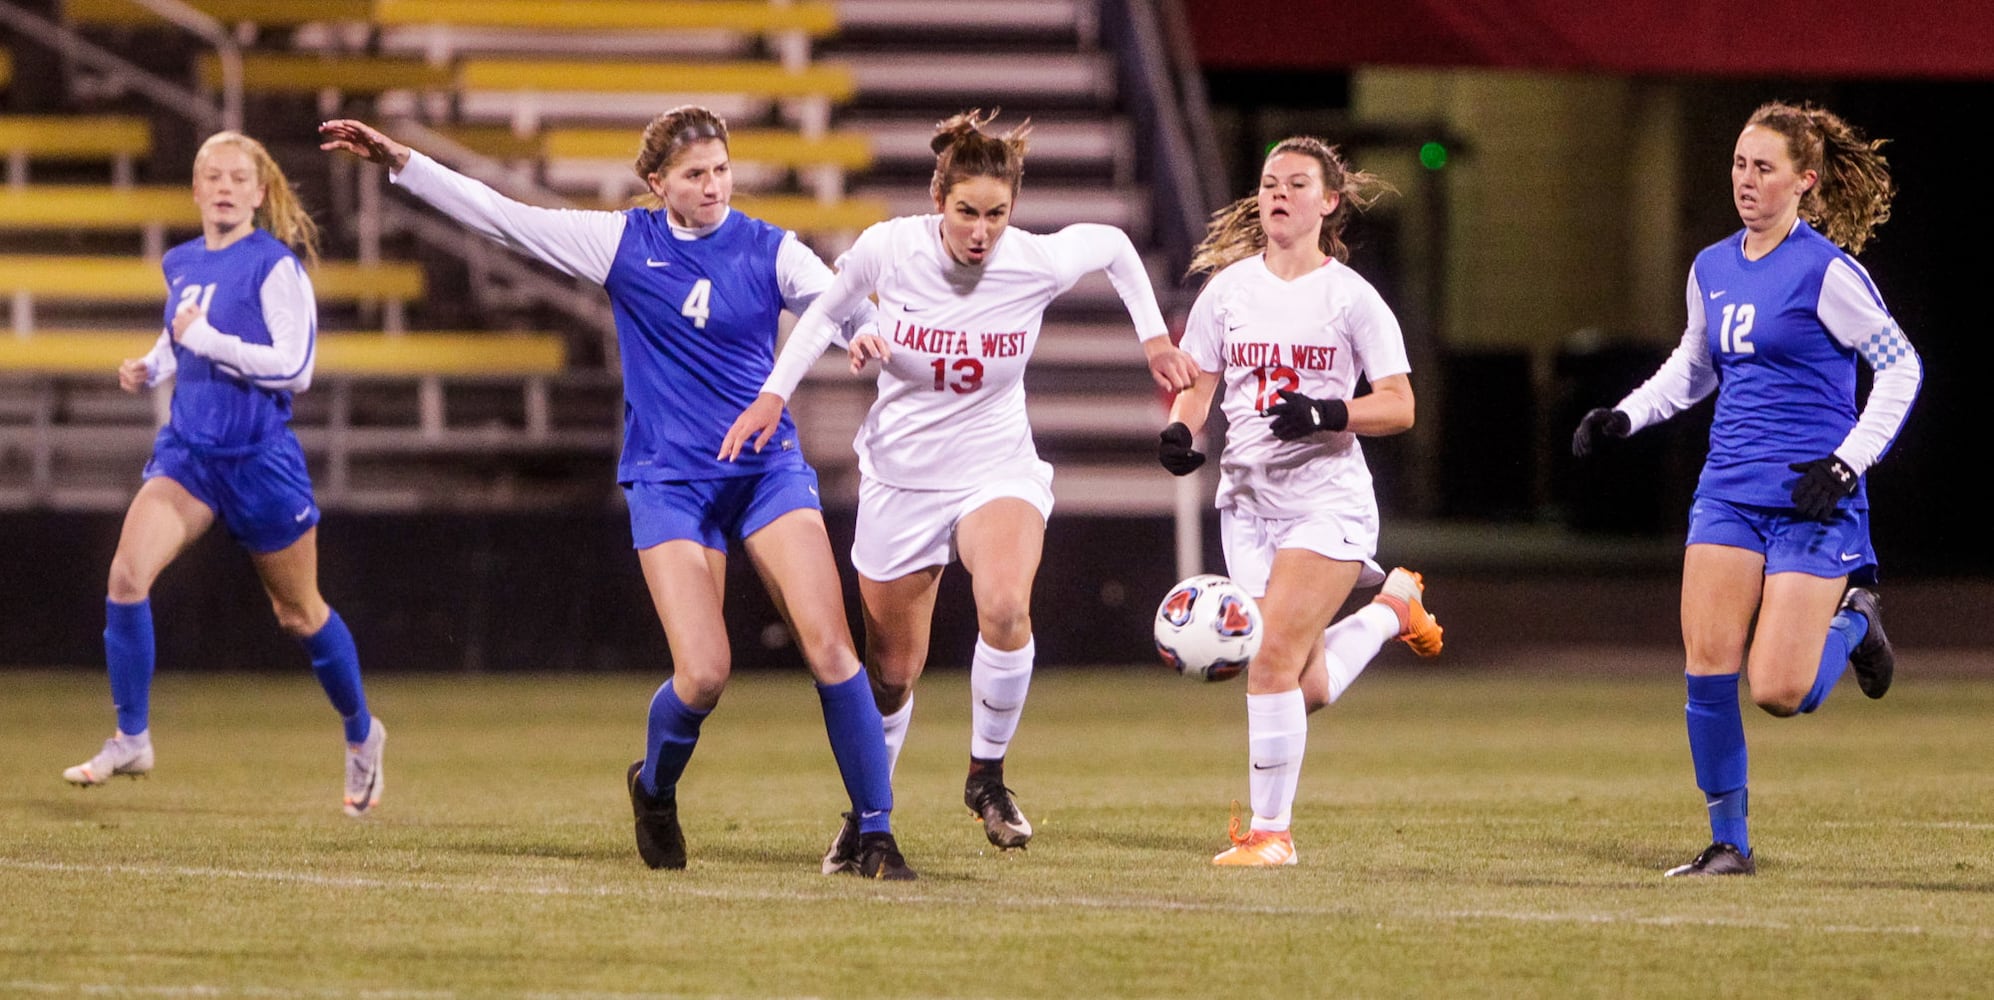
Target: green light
point(1432, 156)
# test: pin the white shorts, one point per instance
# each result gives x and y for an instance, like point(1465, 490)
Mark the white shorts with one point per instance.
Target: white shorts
point(1250, 543)
point(900, 531)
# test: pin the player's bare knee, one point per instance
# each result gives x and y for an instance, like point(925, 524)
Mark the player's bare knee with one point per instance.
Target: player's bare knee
point(1779, 701)
point(126, 584)
point(699, 688)
point(891, 696)
point(299, 621)
point(1005, 624)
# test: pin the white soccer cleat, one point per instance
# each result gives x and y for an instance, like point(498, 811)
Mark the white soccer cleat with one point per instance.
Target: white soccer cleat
point(363, 770)
point(130, 756)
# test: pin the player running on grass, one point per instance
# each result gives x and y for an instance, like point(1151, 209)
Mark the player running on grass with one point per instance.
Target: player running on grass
point(946, 453)
point(1290, 328)
point(697, 289)
point(241, 324)
point(1778, 316)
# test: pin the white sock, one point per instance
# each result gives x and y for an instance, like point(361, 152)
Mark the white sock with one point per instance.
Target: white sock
point(1351, 644)
point(1277, 734)
point(998, 681)
point(895, 726)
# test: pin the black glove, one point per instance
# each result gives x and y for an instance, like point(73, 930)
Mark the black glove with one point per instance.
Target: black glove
point(1173, 449)
point(1297, 416)
point(1596, 422)
point(1823, 483)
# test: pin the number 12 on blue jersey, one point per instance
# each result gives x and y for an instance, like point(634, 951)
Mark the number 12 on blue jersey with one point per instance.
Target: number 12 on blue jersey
point(1734, 336)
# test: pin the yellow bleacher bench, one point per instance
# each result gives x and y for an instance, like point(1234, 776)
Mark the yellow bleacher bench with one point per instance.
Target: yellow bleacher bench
point(752, 79)
point(847, 150)
point(276, 13)
point(275, 73)
point(801, 213)
point(131, 279)
point(808, 215)
point(453, 352)
point(75, 137)
point(815, 19)
point(96, 207)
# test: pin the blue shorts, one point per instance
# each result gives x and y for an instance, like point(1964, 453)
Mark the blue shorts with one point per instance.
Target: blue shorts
point(1790, 544)
point(263, 495)
point(710, 511)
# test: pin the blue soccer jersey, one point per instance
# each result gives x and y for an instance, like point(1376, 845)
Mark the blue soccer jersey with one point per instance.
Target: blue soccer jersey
point(1778, 339)
point(696, 314)
point(696, 322)
point(237, 365)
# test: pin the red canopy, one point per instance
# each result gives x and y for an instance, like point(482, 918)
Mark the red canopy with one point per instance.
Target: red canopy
point(1766, 38)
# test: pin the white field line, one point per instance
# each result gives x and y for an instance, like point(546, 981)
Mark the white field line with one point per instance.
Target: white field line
point(895, 898)
point(204, 990)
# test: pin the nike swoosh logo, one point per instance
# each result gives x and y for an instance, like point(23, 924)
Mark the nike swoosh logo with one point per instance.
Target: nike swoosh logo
point(301, 515)
point(1851, 556)
point(1714, 296)
point(648, 262)
point(871, 813)
point(1269, 767)
point(813, 491)
point(986, 704)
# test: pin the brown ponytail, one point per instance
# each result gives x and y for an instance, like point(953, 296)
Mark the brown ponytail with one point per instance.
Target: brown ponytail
point(1235, 234)
point(1852, 196)
point(962, 151)
point(667, 136)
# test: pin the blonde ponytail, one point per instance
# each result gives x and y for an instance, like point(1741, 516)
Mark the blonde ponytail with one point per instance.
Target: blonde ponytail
point(282, 214)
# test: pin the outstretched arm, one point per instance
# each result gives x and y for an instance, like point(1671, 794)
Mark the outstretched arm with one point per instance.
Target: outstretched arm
point(581, 243)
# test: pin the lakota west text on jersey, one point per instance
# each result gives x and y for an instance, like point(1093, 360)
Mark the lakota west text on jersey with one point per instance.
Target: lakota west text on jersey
point(1302, 357)
point(930, 340)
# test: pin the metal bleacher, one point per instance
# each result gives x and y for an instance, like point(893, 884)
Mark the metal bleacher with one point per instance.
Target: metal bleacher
point(831, 107)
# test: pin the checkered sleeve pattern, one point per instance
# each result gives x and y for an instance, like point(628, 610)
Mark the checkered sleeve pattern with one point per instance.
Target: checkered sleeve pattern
point(1884, 348)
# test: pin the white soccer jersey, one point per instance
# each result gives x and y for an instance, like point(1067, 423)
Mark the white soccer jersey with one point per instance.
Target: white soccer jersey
point(951, 407)
point(1314, 335)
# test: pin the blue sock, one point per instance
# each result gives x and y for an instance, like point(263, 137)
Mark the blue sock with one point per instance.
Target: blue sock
point(668, 742)
point(337, 664)
point(1844, 632)
point(1717, 748)
point(128, 653)
point(858, 741)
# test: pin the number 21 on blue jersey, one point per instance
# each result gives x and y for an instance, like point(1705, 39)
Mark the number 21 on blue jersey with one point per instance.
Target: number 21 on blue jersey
point(199, 296)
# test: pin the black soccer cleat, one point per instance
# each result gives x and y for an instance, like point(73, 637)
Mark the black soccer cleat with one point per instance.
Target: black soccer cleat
point(660, 842)
point(1717, 859)
point(843, 856)
point(988, 800)
point(879, 858)
point(1873, 660)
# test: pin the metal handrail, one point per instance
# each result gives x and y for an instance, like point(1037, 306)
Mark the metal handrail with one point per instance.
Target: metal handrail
point(1182, 199)
point(176, 100)
point(227, 52)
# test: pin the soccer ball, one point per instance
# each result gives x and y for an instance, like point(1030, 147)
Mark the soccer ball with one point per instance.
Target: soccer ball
point(1207, 628)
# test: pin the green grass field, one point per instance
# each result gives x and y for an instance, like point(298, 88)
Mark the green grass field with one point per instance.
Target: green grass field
point(1489, 830)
